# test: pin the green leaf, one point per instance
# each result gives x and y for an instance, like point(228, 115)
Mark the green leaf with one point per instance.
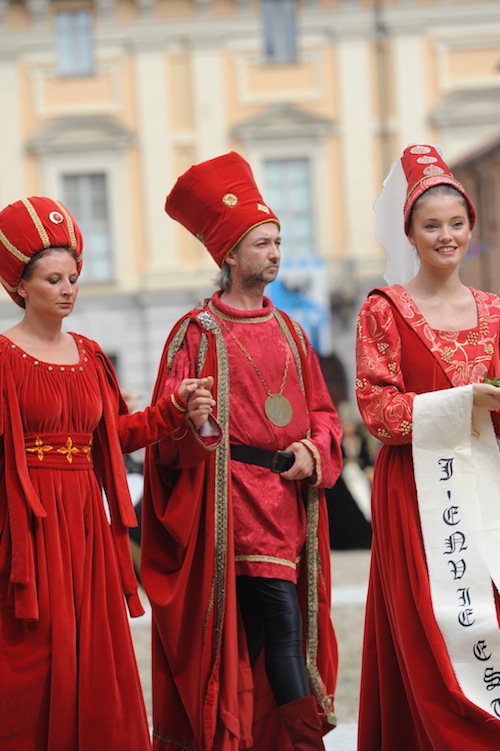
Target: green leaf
point(493, 381)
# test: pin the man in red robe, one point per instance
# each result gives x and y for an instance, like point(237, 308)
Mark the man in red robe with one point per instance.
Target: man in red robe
point(235, 532)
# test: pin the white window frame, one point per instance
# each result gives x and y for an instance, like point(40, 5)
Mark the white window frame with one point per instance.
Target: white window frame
point(279, 31)
point(90, 224)
point(288, 210)
point(74, 42)
point(56, 165)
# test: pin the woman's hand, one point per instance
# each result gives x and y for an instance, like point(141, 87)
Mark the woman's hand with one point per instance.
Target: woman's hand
point(487, 396)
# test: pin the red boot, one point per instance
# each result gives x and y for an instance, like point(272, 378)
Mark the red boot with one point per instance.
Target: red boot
point(303, 725)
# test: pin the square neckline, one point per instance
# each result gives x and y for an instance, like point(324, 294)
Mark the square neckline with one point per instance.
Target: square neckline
point(446, 332)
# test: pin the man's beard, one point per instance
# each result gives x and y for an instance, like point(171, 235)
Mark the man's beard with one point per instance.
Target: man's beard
point(257, 280)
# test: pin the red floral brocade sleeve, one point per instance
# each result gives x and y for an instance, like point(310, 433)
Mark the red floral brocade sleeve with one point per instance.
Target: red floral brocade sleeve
point(385, 405)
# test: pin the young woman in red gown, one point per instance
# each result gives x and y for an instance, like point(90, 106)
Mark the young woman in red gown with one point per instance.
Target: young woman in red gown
point(68, 675)
point(429, 338)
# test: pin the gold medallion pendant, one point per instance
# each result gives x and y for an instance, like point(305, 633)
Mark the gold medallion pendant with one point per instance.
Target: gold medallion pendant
point(277, 407)
point(278, 410)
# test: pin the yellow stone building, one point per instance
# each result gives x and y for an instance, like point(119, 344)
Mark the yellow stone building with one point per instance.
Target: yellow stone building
point(105, 102)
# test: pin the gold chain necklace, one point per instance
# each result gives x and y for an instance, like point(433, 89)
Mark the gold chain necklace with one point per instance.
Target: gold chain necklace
point(277, 407)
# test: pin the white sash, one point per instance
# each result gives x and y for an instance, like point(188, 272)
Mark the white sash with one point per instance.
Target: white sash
point(457, 473)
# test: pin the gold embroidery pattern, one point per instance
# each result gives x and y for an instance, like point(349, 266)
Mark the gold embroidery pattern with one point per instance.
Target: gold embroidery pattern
point(447, 354)
point(40, 449)
point(236, 319)
point(221, 486)
point(313, 573)
point(202, 354)
point(317, 460)
point(68, 450)
point(406, 427)
point(430, 172)
point(230, 200)
point(176, 342)
point(87, 450)
point(266, 559)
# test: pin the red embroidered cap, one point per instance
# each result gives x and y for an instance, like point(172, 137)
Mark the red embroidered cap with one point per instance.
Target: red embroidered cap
point(28, 226)
point(424, 168)
point(219, 202)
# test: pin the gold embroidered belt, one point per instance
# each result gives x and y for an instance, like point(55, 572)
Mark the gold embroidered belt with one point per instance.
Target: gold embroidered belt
point(59, 450)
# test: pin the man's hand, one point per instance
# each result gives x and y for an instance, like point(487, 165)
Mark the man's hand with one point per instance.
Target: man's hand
point(303, 467)
point(200, 402)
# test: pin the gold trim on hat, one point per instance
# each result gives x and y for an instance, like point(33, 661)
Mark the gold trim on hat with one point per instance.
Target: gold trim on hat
point(7, 285)
point(230, 200)
point(451, 180)
point(257, 224)
point(71, 227)
point(12, 249)
point(37, 222)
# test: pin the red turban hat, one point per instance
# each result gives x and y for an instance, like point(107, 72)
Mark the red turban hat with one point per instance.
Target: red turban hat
point(28, 226)
point(424, 168)
point(219, 203)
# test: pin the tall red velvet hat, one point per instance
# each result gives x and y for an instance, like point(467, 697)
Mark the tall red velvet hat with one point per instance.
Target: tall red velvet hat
point(219, 202)
point(28, 226)
point(424, 167)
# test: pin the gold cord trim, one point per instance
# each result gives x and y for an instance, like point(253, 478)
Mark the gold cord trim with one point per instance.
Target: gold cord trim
point(15, 251)
point(71, 227)
point(176, 404)
point(176, 343)
point(6, 284)
point(449, 179)
point(37, 222)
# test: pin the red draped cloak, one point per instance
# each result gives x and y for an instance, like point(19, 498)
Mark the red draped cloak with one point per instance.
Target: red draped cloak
point(196, 509)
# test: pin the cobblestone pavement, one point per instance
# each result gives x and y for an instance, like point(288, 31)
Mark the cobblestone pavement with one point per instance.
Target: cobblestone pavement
point(349, 579)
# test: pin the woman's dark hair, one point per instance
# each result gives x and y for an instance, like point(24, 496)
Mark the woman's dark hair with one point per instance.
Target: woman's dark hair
point(28, 269)
point(443, 189)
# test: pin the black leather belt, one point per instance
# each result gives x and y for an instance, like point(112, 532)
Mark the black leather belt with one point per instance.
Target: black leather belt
point(276, 461)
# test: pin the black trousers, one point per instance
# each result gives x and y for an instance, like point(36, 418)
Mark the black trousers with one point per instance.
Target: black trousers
point(272, 619)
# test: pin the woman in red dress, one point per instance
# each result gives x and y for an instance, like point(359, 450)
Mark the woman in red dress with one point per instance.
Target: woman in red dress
point(423, 349)
point(68, 676)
